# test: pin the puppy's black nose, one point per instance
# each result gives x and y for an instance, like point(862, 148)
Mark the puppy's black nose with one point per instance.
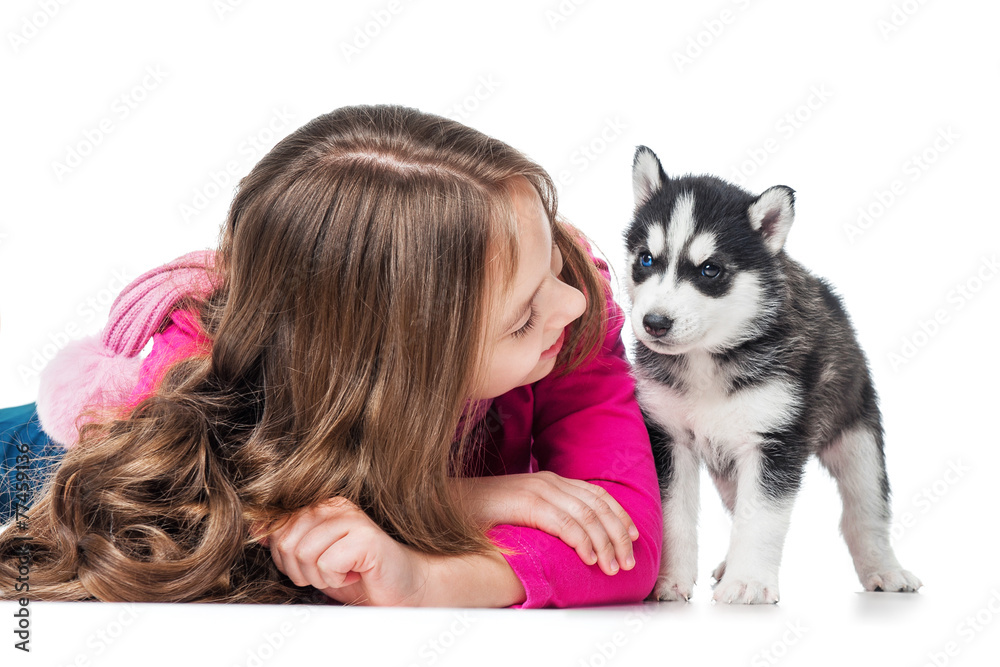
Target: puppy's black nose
point(657, 326)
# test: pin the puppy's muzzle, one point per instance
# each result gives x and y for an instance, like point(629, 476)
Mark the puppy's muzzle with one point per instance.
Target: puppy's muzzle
point(656, 325)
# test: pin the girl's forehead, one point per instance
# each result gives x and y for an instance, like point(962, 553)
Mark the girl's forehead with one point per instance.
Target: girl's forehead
point(516, 252)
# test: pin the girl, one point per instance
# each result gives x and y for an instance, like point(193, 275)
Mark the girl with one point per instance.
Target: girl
point(398, 381)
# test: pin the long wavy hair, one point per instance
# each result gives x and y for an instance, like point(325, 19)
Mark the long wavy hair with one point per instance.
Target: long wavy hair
point(346, 333)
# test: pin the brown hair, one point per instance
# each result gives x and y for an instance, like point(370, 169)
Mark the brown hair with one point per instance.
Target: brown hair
point(345, 333)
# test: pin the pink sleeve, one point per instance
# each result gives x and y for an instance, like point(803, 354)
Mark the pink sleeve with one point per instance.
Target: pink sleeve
point(587, 425)
point(181, 338)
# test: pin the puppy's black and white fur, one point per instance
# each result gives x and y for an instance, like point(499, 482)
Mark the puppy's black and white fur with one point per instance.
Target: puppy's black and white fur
point(747, 362)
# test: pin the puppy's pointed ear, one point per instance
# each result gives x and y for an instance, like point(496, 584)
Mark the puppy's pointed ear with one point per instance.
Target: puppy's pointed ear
point(771, 214)
point(647, 175)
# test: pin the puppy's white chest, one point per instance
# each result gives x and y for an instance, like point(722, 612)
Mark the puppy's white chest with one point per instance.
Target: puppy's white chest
point(714, 417)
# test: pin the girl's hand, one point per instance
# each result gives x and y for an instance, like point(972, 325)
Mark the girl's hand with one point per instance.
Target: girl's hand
point(335, 547)
point(581, 514)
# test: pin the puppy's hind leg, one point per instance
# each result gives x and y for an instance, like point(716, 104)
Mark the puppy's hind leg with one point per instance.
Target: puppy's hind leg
point(678, 469)
point(857, 461)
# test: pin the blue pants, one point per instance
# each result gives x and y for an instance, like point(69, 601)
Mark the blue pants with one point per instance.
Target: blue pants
point(26, 450)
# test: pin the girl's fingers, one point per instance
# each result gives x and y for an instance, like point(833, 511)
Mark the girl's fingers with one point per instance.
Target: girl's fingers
point(578, 525)
point(285, 540)
point(608, 535)
point(344, 561)
point(591, 520)
point(282, 543)
point(618, 549)
point(323, 537)
point(550, 518)
point(619, 531)
point(298, 544)
point(602, 493)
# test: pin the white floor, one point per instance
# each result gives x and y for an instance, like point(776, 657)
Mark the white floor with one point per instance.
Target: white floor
point(823, 618)
point(815, 626)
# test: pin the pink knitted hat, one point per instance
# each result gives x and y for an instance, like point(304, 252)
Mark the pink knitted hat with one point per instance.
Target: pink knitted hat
point(103, 369)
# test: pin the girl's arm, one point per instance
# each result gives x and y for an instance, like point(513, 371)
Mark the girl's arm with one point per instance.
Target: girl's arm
point(485, 580)
point(583, 515)
point(337, 548)
point(587, 426)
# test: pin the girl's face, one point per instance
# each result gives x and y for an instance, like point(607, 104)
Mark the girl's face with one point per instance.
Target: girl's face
point(527, 334)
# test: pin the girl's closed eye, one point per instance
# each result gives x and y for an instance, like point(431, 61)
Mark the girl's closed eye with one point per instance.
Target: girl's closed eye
point(523, 331)
point(557, 259)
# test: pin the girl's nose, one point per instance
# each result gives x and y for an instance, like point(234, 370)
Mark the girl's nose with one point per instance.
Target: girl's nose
point(569, 305)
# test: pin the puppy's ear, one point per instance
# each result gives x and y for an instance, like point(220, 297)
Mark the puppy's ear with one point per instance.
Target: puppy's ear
point(647, 175)
point(771, 214)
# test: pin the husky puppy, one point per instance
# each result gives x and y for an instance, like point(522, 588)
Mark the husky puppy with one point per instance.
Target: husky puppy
point(746, 361)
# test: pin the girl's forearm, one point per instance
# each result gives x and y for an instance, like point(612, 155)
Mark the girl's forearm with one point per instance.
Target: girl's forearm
point(478, 580)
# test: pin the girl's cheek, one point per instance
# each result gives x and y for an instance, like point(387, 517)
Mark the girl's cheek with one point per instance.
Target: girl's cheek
point(525, 357)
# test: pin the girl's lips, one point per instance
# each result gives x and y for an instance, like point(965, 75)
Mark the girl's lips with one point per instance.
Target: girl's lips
point(554, 350)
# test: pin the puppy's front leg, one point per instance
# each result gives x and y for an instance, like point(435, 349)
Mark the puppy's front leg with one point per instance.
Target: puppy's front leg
point(679, 476)
point(765, 490)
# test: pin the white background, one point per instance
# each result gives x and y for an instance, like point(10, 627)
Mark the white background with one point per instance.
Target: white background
point(838, 101)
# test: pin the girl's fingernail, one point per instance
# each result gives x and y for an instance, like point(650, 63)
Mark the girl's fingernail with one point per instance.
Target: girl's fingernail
point(629, 563)
point(633, 532)
point(593, 557)
point(614, 565)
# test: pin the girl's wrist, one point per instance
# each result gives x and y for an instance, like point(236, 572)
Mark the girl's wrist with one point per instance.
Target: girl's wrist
point(474, 580)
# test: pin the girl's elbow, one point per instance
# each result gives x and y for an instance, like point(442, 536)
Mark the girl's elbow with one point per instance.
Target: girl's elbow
point(647, 565)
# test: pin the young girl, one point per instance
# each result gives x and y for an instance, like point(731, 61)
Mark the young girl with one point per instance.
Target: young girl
point(398, 381)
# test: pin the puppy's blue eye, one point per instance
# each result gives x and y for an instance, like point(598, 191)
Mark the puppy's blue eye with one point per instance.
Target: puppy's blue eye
point(646, 259)
point(710, 270)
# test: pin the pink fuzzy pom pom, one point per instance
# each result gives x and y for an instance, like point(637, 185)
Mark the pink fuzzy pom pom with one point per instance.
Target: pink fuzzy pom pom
point(84, 373)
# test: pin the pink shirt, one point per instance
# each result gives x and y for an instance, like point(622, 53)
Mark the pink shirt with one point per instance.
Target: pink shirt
point(182, 338)
point(586, 425)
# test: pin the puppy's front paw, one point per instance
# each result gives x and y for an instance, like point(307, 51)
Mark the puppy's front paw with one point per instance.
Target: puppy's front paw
point(891, 580)
point(745, 591)
point(669, 589)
